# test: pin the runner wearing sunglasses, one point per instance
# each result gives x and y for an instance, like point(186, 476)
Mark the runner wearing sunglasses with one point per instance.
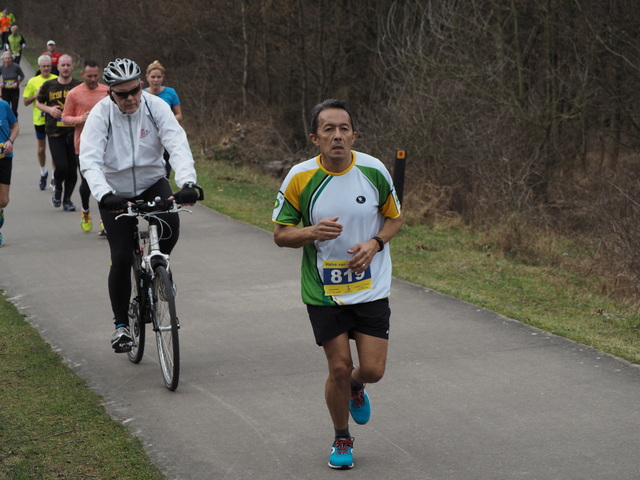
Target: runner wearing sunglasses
point(121, 157)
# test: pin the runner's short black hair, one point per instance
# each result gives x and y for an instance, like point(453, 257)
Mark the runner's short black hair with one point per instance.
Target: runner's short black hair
point(329, 103)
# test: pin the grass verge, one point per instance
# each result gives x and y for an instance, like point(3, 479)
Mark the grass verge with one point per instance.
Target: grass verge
point(51, 424)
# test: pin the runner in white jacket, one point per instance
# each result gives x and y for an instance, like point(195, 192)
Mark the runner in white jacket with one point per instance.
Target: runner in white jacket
point(121, 157)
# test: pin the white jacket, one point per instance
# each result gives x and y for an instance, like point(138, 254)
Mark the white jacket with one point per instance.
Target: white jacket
point(123, 153)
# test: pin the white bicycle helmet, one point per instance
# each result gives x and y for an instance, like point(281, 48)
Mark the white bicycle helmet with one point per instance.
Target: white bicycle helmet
point(121, 70)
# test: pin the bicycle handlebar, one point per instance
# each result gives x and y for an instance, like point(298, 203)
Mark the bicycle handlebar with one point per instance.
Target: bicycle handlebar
point(158, 205)
point(141, 208)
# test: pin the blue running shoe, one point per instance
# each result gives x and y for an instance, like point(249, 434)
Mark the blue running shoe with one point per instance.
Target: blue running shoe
point(360, 406)
point(1, 218)
point(341, 453)
point(0, 239)
point(43, 180)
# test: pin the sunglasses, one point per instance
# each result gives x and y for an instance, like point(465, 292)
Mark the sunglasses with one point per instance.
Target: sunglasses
point(126, 94)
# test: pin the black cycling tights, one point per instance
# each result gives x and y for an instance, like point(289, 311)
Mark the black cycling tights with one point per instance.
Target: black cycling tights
point(121, 241)
point(84, 191)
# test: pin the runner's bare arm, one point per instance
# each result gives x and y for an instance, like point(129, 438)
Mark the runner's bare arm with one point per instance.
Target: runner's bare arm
point(296, 237)
point(364, 252)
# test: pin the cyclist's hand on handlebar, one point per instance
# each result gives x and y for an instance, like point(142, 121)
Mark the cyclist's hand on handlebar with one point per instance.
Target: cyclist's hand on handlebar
point(186, 196)
point(113, 203)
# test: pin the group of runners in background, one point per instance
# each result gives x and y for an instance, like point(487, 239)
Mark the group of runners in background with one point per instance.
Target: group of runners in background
point(61, 107)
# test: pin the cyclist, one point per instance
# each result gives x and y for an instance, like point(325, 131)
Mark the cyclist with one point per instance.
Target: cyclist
point(121, 157)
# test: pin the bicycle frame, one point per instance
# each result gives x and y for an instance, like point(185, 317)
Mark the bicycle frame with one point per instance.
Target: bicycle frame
point(153, 291)
point(148, 258)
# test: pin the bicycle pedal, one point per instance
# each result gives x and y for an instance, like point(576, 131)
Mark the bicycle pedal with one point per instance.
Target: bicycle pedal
point(124, 347)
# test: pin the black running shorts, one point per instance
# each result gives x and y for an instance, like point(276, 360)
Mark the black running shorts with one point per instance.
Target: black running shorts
point(5, 170)
point(368, 318)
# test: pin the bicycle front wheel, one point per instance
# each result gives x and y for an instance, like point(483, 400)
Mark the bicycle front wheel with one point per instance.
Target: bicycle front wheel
point(166, 327)
point(136, 322)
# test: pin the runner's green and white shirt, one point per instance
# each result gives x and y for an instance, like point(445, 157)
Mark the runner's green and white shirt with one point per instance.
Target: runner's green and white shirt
point(361, 196)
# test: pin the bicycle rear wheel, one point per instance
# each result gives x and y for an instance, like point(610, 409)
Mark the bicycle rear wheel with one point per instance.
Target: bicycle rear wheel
point(136, 322)
point(166, 327)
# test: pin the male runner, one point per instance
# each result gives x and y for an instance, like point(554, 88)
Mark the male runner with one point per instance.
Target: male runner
point(50, 100)
point(54, 55)
point(349, 211)
point(29, 97)
point(79, 103)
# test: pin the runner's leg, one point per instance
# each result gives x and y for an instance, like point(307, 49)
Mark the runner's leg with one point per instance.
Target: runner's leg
point(337, 387)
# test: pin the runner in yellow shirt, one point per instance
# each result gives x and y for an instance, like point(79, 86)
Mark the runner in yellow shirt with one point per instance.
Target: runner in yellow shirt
point(29, 97)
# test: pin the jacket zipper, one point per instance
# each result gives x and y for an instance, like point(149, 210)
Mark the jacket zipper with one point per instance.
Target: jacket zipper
point(133, 158)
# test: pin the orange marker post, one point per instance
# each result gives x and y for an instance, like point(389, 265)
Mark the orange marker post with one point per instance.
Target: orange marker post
point(398, 172)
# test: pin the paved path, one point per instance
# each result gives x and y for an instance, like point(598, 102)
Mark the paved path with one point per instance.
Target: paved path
point(468, 394)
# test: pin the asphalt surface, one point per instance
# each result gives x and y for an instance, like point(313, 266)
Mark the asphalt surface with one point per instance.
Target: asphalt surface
point(468, 394)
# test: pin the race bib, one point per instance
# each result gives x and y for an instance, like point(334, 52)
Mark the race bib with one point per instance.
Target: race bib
point(338, 279)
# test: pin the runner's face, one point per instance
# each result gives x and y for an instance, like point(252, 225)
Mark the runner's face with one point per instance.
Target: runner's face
point(45, 69)
point(334, 137)
point(7, 59)
point(131, 102)
point(65, 67)
point(90, 76)
point(155, 78)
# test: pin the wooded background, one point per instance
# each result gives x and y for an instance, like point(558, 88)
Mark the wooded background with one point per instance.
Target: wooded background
point(516, 115)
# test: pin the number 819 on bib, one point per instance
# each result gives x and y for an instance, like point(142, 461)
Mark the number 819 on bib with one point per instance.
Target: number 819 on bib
point(338, 279)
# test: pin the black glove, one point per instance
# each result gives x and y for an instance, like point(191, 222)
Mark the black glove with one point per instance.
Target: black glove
point(186, 195)
point(113, 203)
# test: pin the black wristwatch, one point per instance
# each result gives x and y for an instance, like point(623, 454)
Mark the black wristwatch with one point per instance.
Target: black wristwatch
point(380, 243)
point(188, 185)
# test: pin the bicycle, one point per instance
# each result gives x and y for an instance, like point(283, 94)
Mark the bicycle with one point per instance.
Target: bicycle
point(153, 290)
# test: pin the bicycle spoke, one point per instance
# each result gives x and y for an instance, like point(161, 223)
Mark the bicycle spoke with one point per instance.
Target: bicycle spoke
point(136, 322)
point(166, 327)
